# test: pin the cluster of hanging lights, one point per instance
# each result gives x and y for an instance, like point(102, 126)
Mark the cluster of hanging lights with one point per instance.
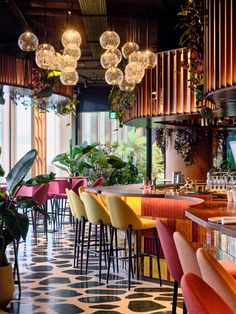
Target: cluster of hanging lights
point(138, 61)
point(48, 59)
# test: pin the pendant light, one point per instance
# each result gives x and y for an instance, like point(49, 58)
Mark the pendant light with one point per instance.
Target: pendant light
point(111, 58)
point(109, 40)
point(28, 41)
point(114, 76)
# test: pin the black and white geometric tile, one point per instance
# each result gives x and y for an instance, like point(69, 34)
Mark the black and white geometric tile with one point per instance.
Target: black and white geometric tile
point(50, 284)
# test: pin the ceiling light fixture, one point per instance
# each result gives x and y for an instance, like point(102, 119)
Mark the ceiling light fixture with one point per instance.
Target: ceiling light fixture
point(28, 41)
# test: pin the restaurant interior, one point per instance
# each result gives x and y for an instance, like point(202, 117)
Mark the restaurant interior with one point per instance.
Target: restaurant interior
point(117, 156)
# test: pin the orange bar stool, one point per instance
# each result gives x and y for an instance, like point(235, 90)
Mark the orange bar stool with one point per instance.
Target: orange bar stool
point(80, 216)
point(217, 277)
point(125, 219)
point(200, 298)
point(97, 216)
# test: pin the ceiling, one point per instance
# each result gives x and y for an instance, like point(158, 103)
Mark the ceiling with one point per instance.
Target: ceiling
point(149, 22)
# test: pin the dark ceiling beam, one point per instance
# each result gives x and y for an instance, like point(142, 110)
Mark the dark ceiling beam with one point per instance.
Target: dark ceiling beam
point(57, 12)
point(19, 14)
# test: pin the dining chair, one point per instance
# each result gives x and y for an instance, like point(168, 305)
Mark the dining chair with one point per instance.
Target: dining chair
point(188, 258)
point(97, 182)
point(217, 277)
point(200, 298)
point(125, 219)
point(172, 259)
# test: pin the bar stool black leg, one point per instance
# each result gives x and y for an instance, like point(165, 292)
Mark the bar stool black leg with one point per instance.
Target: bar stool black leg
point(101, 237)
point(137, 254)
point(110, 253)
point(87, 257)
point(83, 222)
point(76, 241)
point(176, 285)
point(117, 254)
point(16, 265)
point(129, 236)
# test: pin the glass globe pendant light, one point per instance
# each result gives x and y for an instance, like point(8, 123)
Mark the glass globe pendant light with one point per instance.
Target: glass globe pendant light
point(73, 51)
point(69, 78)
point(134, 72)
point(44, 55)
point(71, 36)
point(128, 48)
point(55, 66)
point(152, 59)
point(139, 57)
point(125, 86)
point(28, 41)
point(111, 58)
point(67, 63)
point(114, 76)
point(109, 40)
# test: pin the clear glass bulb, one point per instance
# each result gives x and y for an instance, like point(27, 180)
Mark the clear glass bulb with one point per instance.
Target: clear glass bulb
point(73, 51)
point(128, 48)
point(69, 78)
point(139, 57)
point(152, 59)
point(28, 41)
point(67, 63)
point(114, 76)
point(44, 55)
point(71, 36)
point(125, 86)
point(109, 40)
point(111, 58)
point(134, 72)
point(55, 66)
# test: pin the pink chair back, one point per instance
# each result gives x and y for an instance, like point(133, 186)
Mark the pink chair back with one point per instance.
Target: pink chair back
point(169, 250)
point(76, 185)
point(41, 194)
point(26, 190)
point(97, 182)
point(200, 298)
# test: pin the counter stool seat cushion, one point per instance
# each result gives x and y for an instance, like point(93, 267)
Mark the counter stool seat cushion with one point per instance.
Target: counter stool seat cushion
point(200, 298)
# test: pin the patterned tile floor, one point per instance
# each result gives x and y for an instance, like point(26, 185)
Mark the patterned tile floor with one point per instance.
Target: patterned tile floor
point(51, 285)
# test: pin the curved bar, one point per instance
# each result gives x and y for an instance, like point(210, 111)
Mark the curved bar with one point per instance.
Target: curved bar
point(201, 212)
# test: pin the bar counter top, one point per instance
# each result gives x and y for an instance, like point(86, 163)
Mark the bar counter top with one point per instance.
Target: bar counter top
point(200, 208)
point(137, 190)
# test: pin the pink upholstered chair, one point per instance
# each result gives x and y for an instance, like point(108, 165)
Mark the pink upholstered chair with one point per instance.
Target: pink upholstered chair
point(188, 258)
point(200, 298)
point(76, 184)
point(171, 257)
point(217, 277)
point(97, 182)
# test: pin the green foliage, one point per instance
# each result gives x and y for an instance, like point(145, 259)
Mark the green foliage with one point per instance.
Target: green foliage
point(112, 168)
point(14, 225)
point(157, 162)
point(134, 149)
point(121, 101)
point(72, 161)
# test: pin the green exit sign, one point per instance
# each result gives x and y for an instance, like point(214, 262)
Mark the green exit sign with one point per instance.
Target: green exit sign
point(112, 115)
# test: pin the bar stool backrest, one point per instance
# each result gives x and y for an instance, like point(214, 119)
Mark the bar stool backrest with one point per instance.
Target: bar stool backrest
point(96, 213)
point(200, 298)
point(122, 215)
point(217, 277)
point(77, 205)
point(41, 194)
point(169, 250)
point(187, 254)
point(70, 203)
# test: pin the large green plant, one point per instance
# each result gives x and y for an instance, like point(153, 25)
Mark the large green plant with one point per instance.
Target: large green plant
point(13, 224)
point(71, 161)
point(112, 168)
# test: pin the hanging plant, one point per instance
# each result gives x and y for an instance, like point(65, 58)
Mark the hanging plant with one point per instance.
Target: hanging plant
point(192, 23)
point(186, 142)
point(161, 140)
point(121, 101)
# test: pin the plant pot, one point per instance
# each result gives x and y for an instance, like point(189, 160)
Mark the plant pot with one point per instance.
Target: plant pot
point(6, 285)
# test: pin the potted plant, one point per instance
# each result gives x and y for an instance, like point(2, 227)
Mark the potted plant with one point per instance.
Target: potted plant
point(13, 224)
point(71, 160)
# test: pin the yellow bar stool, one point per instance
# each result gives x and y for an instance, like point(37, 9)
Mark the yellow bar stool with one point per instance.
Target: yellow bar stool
point(98, 216)
point(125, 219)
point(80, 216)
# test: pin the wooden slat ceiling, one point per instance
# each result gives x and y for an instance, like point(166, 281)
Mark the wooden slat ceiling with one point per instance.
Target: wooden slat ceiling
point(91, 18)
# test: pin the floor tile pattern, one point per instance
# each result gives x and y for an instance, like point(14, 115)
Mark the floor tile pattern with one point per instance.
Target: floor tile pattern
point(51, 285)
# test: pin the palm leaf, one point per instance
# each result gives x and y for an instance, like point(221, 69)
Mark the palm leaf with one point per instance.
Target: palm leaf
point(19, 171)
